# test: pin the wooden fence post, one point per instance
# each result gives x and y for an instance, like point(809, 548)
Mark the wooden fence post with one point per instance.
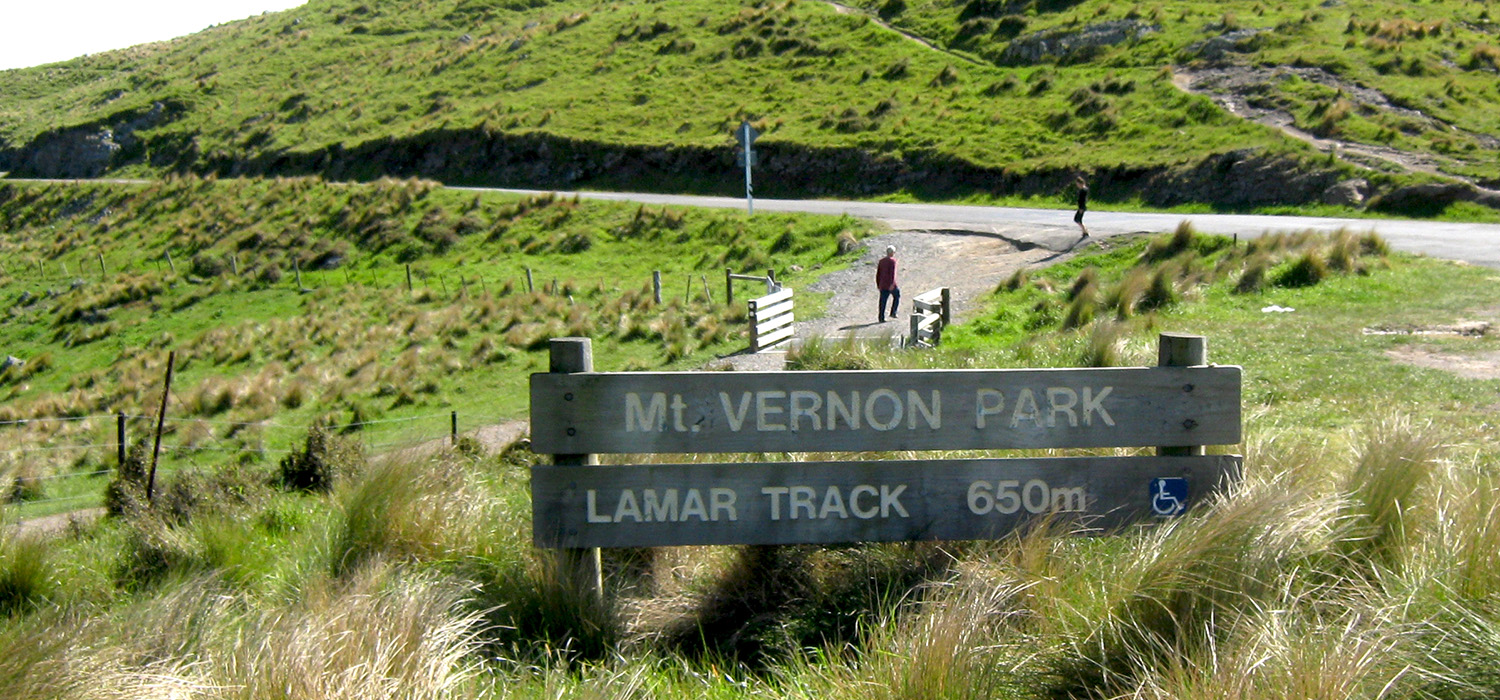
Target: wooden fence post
point(120, 441)
point(453, 427)
point(568, 356)
point(161, 419)
point(529, 288)
point(728, 287)
point(408, 278)
point(1181, 350)
point(947, 308)
point(656, 285)
point(170, 263)
point(102, 271)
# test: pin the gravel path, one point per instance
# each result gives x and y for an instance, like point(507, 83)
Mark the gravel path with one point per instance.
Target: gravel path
point(969, 263)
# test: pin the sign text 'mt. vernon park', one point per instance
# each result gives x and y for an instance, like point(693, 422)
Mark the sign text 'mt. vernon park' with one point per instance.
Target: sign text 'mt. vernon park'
point(681, 412)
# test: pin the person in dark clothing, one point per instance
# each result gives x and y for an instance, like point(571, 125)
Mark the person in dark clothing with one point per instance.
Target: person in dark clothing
point(885, 281)
point(1083, 204)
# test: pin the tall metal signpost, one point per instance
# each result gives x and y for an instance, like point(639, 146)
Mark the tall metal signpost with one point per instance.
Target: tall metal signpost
point(747, 135)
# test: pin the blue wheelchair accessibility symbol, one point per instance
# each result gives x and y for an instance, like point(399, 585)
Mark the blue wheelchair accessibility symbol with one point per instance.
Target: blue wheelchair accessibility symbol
point(1169, 496)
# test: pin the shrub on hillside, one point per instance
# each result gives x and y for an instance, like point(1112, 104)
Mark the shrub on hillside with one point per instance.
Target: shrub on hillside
point(193, 492)
point(324, 458)
point(126, 493)
point(206, 264)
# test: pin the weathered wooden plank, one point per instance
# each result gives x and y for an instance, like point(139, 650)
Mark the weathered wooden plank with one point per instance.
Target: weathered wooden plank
point(932, 296)
point(826, 502)
point(763, 326)
point(780, 335)
point(777, 309)
point(684, 412)
point(770, 299)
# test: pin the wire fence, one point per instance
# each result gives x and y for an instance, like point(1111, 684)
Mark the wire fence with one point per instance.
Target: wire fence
point(38, 471)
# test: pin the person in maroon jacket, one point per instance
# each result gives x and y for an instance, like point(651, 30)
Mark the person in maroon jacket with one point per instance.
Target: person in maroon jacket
point(885, 281)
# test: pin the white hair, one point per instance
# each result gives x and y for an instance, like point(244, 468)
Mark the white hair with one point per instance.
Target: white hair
point(890, 250)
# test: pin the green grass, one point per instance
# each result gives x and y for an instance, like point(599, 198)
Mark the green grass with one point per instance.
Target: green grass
point(1353, 561)
point(830, 91)
point(258, 359)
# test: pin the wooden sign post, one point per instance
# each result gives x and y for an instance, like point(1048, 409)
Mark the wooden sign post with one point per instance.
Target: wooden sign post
point(1177, 407)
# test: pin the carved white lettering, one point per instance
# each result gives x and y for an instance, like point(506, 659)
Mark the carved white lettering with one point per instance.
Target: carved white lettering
point(775, 492)
point(890, 500)
point(736, 418)
point(833, 504)
point(721, 501)
point(1026, 409)
point(1093, 404)
point(870, 415)
point(647, 419)
point(1062, 400)
point(692, 504)
point(764, 410)
point(593, 509)
point(802, 499)
point(677, 406)
point(806, 404)
point(849, 411)
point(627, 507)
point(863, 513)
point(660, 510)
point(932, 414)
point(987, 402)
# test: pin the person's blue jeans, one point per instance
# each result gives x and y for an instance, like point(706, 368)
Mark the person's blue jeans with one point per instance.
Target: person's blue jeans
point(895, 296)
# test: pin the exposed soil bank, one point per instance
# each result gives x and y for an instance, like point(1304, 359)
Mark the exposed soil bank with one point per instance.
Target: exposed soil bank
point(534, 160)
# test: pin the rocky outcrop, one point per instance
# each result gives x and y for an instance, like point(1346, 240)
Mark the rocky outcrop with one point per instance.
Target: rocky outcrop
point(1065, 44)
point(1219, 47)
point(1349, 193)
point(88, 150)
point(1433, 197)
point(1239, 178)
point(543, 161)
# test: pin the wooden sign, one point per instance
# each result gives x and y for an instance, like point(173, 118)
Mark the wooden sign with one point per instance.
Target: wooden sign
point(888, 501)
point(691, 412)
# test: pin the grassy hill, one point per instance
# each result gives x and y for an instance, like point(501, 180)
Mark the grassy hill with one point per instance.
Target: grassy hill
point(1355, 561)
point(289, 301)
point(644, 95)
point(294, 550)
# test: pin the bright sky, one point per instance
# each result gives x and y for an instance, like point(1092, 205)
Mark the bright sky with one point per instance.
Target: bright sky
point(33, 32)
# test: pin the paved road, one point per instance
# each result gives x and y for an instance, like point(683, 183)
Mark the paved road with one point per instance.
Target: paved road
point(1053, 229)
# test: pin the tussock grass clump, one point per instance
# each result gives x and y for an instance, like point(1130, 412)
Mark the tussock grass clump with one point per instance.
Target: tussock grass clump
point(1103, 347)
point(1188, 583)
point(413, 510)
point(819, 353)
point(26, 571)
point(1307, 270)
point(1253, 278)
point(1080, 311)
point(1396, 460)
point(771, 602)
